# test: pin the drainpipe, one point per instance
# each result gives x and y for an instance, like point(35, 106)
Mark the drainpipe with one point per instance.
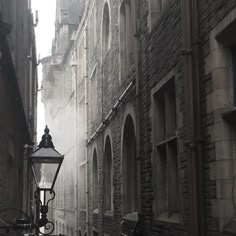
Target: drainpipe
point(76, 190)
point(86, 152)
point(30, 93)
point(193, 142)
point(198, 130)
point(102, 160)
point(137, 98)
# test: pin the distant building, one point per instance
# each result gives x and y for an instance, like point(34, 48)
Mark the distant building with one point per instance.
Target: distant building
point(147, 97)
point(59, 97)
point(18, 104)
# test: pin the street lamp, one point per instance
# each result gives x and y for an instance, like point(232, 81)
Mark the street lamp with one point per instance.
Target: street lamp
point(45, 163)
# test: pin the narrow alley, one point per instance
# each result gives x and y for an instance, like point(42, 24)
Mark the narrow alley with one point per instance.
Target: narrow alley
point(117, 117)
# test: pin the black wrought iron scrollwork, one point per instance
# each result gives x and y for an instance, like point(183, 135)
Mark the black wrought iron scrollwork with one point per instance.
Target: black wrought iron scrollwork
point(49, 228)
point(52, 193)
point(26, 223)
point(47, 197)
point(37, 197)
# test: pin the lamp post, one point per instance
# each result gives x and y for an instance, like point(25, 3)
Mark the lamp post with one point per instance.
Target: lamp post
point(45, 163)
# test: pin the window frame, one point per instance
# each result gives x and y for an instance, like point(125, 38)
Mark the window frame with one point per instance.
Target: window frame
point(95, 175)
point(106, 45)
point(130, 174)
point(126, 37)
point(108, 174)
point(82, 192)
point(93, 95)
point(163, 207)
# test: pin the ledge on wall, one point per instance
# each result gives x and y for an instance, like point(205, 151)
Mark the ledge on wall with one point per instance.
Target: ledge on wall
point(95, 211)
point(131, 224)
point(108, 213)
point(174, 218)
point(134, 217)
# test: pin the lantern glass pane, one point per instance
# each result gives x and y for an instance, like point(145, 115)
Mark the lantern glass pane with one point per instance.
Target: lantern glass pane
point(45, 173)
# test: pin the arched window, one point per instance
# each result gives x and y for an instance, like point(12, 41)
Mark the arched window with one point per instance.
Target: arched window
point(130, 200)
point(95, 180)
point(80, 234)
point(105, 29)
point(126, 37)
point(71, 232)
point(60, 228)
point(108, 176)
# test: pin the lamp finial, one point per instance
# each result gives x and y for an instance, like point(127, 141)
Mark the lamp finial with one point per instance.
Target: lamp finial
point(46, 141)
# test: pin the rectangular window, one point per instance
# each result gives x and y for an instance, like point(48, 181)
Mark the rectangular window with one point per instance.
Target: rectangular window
point(71, 190)
point(92, 32)
point(233, 51)
point(82, 60)
point(82, 122)
point(93, 96)
point(82, 188)
point(165, 153)
point(95, 181)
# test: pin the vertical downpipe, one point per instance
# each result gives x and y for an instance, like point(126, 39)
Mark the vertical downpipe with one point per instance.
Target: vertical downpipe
point(192, 113)
point(26, 182)
point(30, 111)
point(76, 147)
point(137, 102)
point(102, 134)
point(87, 167)
point(197, 113)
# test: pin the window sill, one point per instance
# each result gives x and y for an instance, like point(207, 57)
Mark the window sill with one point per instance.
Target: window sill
point(108, 213)
point(95, 211)
point(174, 218)
point(134, 217)
point(82, 209)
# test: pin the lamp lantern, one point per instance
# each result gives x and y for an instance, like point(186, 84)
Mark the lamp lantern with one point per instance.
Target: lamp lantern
point(46, 162)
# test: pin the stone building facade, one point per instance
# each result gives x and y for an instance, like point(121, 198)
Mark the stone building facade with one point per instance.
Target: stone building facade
point(60, 98)
point(147, 93)
point(18, 104)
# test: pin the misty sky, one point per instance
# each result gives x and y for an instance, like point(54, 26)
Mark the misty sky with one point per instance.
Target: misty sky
point(44, 35)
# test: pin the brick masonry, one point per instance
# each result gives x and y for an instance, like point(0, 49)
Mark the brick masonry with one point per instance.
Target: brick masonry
point(159, 52)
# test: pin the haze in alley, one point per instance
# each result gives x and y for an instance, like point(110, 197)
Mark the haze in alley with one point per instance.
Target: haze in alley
point(117, 117)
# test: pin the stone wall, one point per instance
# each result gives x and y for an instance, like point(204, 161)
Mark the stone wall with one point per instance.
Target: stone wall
point(157, 59)
point(159, 54)
point(18, 85)
point(217, 99)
